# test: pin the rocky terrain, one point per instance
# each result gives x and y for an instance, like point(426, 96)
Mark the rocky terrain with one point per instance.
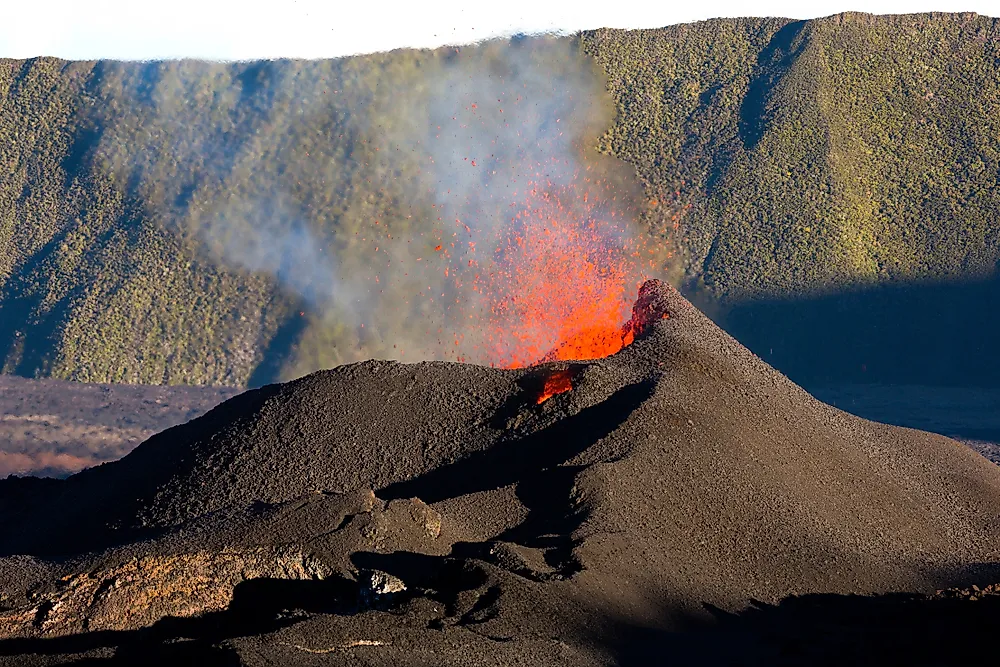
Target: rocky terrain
point(679, 499)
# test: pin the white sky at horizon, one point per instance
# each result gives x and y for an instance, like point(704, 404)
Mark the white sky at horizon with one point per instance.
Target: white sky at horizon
point(231, 30)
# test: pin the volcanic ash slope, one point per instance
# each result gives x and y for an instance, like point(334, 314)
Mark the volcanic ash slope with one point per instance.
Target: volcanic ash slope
point(679, 474)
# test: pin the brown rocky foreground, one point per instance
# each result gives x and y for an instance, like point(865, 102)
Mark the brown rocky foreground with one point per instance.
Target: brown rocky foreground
point(683, 503)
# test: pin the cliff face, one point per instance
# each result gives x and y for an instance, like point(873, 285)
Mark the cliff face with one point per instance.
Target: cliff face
point(778, 159)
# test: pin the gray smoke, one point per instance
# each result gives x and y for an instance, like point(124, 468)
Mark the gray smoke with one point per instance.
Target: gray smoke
point(274, 239)
point(485, 132)
point(379, 190)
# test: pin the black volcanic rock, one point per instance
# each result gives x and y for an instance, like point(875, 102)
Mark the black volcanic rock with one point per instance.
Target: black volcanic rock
point(651, 306)
point(677, 481)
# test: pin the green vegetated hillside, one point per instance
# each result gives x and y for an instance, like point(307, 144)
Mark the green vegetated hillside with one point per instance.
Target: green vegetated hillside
point(778, 158)
point(112, 173)
point(815, 154)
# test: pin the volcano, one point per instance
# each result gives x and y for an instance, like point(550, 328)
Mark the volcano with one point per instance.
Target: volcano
point(679, 498)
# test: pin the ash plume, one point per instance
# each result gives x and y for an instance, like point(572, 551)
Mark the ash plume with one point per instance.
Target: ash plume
point(502, 132)
point(443, 205)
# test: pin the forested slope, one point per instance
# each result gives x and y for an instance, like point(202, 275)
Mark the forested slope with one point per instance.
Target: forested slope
point(779, 160)
point(815, 154)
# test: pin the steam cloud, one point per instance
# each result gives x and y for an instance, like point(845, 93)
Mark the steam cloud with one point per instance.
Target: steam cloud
point(273, 241)
point(456, 157)
point(503, 128)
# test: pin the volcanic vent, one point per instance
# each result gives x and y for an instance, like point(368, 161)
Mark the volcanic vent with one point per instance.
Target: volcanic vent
point(603, 341)
point(651, 306)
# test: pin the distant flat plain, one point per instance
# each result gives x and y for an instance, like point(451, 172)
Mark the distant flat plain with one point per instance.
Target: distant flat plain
point(968, 414)
point(54, 428)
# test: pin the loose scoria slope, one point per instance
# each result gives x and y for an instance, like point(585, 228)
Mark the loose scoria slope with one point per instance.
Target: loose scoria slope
point(679, 473)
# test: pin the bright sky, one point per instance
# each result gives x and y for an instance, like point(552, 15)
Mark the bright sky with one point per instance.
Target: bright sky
point(252, 29)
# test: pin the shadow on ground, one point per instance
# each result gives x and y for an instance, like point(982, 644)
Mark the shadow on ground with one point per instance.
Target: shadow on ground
point(894, 629)
point(941, 334)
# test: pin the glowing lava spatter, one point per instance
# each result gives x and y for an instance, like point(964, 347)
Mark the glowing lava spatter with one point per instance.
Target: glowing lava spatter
point(558, 383)
point(522, 243)
point(562, 287)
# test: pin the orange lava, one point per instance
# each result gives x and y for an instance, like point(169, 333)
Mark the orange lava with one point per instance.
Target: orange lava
point(593, 343)
point(557, 383)
point(564, 283)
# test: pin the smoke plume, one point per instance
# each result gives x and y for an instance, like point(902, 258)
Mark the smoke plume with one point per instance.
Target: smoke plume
point(420, 205)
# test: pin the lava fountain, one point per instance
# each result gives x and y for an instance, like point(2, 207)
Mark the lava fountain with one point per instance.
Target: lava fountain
point(651, 306)
point(495, 226)
point(563, 281)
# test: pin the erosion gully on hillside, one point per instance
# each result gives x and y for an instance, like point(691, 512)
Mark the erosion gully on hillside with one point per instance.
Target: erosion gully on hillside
point(681, 500)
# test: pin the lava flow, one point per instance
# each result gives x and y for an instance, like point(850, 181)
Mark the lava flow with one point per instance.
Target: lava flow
point(557, 383)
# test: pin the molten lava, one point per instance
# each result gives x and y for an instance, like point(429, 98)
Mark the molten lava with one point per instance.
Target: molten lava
point(561, 288)
point(596, 343)
point(558, 383)
point(592, 343)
